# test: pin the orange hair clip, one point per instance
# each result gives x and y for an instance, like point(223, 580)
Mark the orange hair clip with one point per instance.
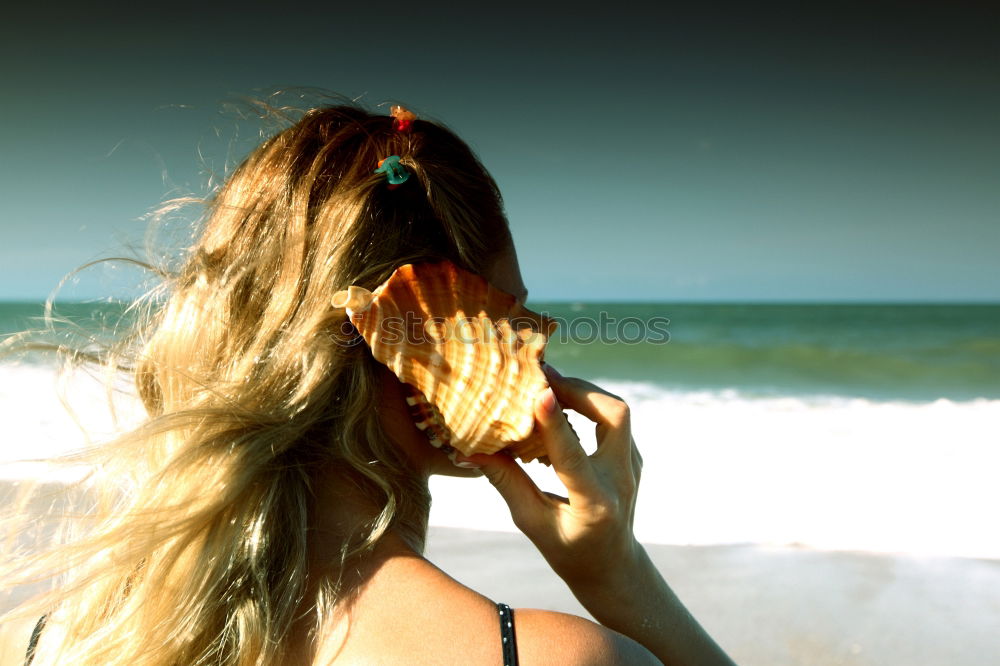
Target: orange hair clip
point(402, 118)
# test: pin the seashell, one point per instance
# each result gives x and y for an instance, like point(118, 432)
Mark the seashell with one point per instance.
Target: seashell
point(428, 420)
point(470, 352)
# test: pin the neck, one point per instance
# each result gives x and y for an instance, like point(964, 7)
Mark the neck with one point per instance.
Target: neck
point(341, 518)
point(344, 514)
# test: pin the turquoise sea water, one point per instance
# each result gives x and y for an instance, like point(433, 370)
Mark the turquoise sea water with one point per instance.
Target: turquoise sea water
point(877, 351)
point(908, 352)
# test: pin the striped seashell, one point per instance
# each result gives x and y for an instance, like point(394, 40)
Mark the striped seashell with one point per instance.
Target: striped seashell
point(470, 352)
point(428, 419)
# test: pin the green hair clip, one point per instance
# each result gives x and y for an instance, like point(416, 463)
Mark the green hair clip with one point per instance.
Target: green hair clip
point(394, 172)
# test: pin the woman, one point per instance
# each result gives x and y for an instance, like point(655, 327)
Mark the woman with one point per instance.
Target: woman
point(273, 507)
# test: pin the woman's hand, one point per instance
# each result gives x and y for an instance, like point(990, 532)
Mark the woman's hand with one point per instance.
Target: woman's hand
point(586, 537)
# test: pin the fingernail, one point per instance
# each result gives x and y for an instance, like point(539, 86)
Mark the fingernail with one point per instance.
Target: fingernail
point(458, 460)
point(549, 403)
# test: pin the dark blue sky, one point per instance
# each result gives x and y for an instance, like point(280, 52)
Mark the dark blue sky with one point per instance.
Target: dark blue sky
point(843, 153)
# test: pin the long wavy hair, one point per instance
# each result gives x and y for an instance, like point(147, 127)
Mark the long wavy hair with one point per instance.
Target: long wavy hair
point(192, 547)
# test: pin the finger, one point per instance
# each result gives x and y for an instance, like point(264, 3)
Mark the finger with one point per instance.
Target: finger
point(512, 482)
point(636, 460)
point(534, 440)
point(569, 460)
point(636, 456)
point(609, 412)
point(588, 399)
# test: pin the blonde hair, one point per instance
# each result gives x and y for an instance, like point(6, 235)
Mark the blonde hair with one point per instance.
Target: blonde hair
point(193, 549)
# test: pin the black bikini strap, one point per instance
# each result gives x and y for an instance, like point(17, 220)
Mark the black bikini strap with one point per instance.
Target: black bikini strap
point(33, 643)
point(508, 641)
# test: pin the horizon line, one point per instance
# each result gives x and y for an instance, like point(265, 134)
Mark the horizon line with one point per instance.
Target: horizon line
point(631, 301)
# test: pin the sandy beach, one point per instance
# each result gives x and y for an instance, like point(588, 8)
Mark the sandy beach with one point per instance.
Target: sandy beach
point(777, 607)
point(766, 606)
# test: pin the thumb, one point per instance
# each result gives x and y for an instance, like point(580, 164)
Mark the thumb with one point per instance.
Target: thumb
point(509, 478)
point(561, 443)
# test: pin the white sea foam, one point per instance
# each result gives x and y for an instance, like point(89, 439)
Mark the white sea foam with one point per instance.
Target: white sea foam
point(720, 467)
point(38, 425)
point(834, 472)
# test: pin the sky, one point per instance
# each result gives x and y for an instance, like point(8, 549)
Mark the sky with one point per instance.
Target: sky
point(843, 152)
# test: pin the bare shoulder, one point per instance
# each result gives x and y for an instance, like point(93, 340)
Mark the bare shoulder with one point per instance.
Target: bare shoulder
point(548, 637)
point(434, 619)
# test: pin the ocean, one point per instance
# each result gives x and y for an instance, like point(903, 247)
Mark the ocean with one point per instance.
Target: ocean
point(845, 426)
point(881, 352)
